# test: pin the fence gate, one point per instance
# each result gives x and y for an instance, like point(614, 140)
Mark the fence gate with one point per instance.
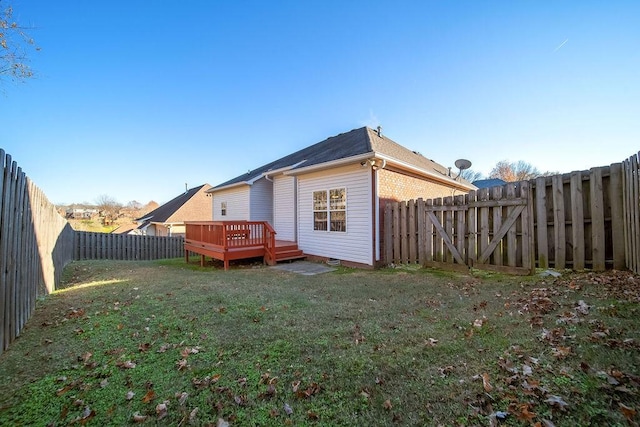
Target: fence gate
point(487, 229)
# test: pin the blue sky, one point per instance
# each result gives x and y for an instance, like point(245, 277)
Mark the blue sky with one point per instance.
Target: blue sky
point(133, 99)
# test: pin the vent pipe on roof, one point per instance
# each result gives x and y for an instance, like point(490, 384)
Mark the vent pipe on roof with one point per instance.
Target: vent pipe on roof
point(379, 130)
point(185, 188)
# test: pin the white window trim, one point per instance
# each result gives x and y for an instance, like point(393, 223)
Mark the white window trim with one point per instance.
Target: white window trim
point(328, 210)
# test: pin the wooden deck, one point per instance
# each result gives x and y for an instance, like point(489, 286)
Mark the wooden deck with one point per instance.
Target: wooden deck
point(233, 240)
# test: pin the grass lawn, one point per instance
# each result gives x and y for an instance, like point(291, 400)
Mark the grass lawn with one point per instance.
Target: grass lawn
point(165, 343)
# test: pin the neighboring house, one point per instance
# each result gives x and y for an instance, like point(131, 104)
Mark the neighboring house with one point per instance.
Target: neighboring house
point(126, 229)
point(168, 219)
point(330, 196)
point(488, 183)
point(81, 213)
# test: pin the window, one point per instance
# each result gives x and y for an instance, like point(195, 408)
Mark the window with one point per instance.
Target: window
point(223, 208)
point(331, 215)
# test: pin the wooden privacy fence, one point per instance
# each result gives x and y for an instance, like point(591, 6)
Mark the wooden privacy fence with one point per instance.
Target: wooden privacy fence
point(126, 247)
point(583, 219)
point(485, 229)
point(36, 243)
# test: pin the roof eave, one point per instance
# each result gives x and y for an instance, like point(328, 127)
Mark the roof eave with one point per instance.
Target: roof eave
point(282, 170)
point(227, 187)
point(436, 176)
point(332, 164)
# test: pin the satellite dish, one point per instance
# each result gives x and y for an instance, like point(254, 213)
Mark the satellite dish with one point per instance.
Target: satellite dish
point(463, 164)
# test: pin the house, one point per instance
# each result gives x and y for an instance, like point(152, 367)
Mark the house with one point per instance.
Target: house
point(330, 196)
point(168, 219)
point(488, 183)
point(81, 213)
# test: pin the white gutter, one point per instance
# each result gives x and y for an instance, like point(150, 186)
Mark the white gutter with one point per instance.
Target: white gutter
point(386, 161)
point(281, 170)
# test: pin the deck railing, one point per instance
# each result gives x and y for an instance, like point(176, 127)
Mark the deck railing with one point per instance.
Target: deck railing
point(228, 234)
point(227, 240)
point(269, 244)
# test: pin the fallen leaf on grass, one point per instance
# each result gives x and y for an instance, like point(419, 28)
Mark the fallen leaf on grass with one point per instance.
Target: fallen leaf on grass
point(287, 409)
point(446, 370)
point(627, 411)
point(485, 383)
point(561, 352)
point(556, 401)
point(182, 364)
point(137, 418)
point(164, 347)
point(478, 323)
point(74, 313)
point(162, 409)
point(130, 395)
point(312, 389)
point(87, 414)
point(269, 393)
point(149, 396)
point(387, 405)
point(182, 397)
point(582, 308)
point(126, 365)
point(523, 413)
point(66, 388)
point(222, 423)
point(192, 415)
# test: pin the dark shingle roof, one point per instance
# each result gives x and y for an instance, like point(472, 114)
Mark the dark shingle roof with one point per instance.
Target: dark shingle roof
point(488, 183)
point(163, 212)
point(353, 143)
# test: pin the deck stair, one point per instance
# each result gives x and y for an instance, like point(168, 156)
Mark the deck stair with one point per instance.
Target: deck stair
point(286, 251)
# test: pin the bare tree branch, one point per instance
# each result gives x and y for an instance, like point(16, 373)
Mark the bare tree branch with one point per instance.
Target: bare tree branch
point(514, 171)
point(14, 43)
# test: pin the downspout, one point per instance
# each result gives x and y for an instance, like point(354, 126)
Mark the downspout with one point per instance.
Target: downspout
point(375, 184)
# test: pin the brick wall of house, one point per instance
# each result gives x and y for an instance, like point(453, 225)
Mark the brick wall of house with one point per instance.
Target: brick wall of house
point(395, 186)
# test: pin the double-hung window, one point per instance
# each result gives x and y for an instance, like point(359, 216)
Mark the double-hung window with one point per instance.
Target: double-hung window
point(330, 210)
point(223, 209)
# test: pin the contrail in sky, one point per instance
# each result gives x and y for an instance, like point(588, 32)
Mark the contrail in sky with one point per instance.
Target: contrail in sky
point(561, 44)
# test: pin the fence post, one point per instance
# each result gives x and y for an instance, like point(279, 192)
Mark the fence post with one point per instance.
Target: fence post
point(472, 229)
point(617, 215)
point(597, 220)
